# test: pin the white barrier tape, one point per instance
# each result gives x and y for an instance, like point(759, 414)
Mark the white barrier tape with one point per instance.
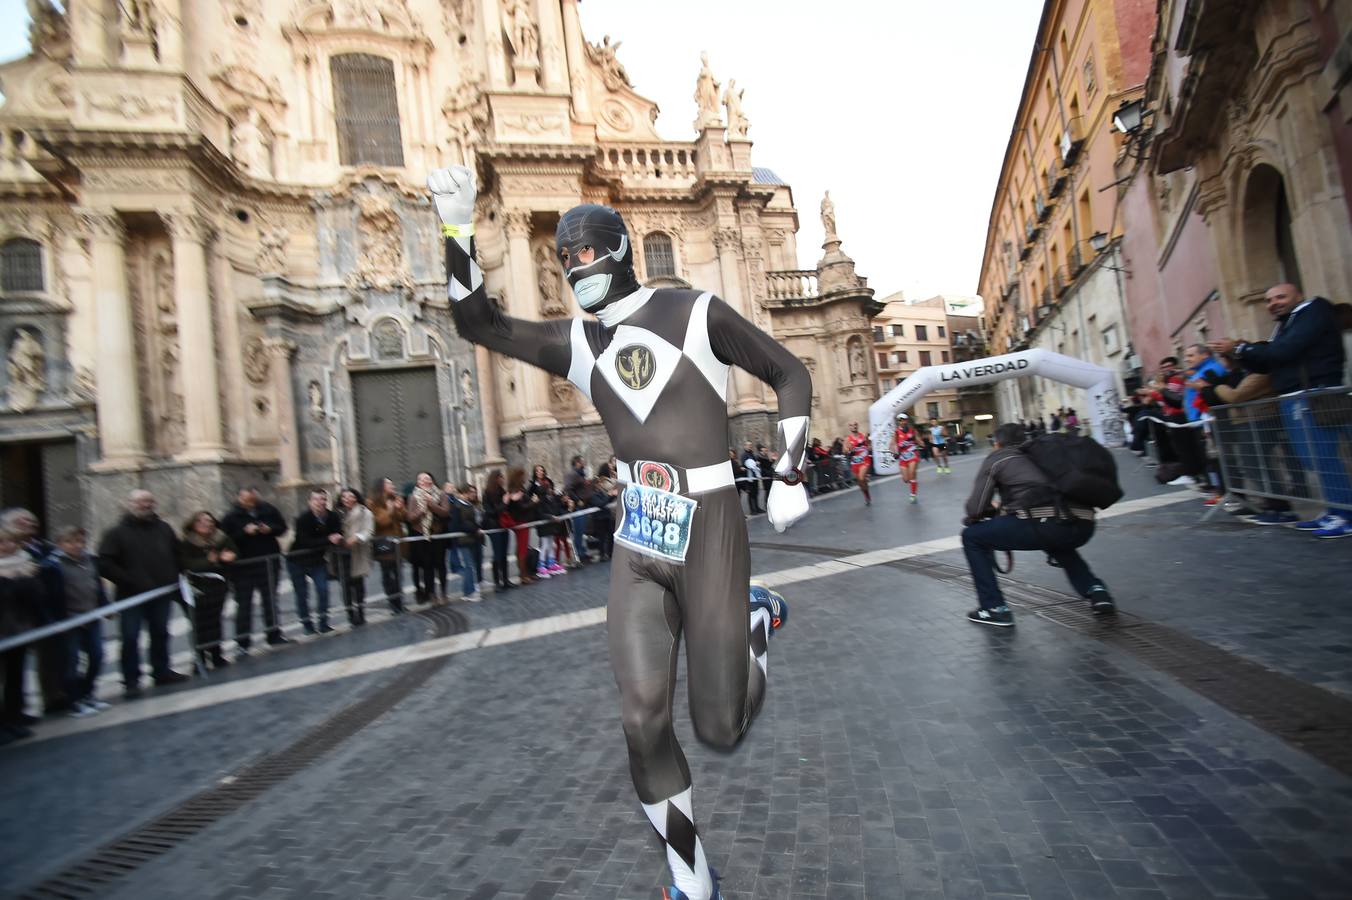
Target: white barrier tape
point(1200, 423)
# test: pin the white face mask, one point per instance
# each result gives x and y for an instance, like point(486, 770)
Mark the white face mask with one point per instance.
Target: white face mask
point(592, 290)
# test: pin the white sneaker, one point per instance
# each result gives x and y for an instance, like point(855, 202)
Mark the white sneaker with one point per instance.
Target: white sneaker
point(472, 598)
point(80, 710)
point(99, 705)
point(1183, 481)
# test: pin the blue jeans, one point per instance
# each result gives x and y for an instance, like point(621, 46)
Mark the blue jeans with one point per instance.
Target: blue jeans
point(1317, 448)
point(1058, 538)
point(319, 574)
point(155, 613)
point(87, 639)
point(462, 563)
point(580, 537)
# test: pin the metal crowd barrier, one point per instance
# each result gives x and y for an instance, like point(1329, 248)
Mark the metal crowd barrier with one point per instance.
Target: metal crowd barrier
point(1296, 447)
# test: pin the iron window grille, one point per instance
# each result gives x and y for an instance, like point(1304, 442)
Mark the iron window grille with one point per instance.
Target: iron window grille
point(657, 255)
point(367, 110)
point(21, 265)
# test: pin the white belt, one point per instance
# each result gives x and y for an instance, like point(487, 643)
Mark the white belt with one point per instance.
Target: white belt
point(693, 481)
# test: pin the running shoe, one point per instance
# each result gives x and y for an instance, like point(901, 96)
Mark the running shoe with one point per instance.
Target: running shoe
point(1100, 601)
point(80, 710)
point(99, 705)
point(1273, 518)
point(772, 602)
point(1000, 616)
point(1339, 527)
point(542, 572)
point(556, 569)
point(1211, 500)
point(1183, 481)
point(1323, 521)
point(675, 893)
point(915, 499)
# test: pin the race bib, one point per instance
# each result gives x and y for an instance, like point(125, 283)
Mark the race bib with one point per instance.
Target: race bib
point(655, 522)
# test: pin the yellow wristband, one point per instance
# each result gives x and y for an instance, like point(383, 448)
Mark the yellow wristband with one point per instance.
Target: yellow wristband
point(458, 231)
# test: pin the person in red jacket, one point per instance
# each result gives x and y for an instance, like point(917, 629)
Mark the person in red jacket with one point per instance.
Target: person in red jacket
point(860, 449)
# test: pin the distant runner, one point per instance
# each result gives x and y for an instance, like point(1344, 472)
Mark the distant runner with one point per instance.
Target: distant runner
point(939, 438)
point(859, 447)
point(908, 451)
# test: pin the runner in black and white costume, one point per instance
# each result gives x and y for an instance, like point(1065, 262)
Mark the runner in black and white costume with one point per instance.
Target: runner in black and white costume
point(656, 368)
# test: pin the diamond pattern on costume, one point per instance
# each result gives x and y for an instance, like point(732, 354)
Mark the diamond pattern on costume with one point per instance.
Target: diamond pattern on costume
point(700, 352)
point(640, 401)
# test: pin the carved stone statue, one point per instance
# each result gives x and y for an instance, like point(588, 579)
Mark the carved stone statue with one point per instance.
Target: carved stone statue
point(706, 96)
point(27, 371)
point(732, 102)
point(612, 70)
point(828, 214)
point(858, 362)
point(272, 250)
point(547, 270)
point(315, 396)
point(249, 146)
point(48, 32)
point(380, 264)
point(467, 396)
point(522, 35)
point(138, 17)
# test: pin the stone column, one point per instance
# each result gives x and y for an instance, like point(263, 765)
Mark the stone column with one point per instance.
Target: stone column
point(488, 404)
point(745, 388)
point(553, 70)
point(280, 351)
point(121, 437)
point(573, 43)
point(196, 337)
point(523, 303)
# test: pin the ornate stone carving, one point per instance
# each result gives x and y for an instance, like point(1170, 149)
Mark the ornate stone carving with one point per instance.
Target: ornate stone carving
point(706, 96)
point(381, 262)
point(131, 106)
point(613, 74)
point(617, 115)
point(858, 359)
point(549, 279)
point(563, 395)
point(256, 361)
point(101, 224)
point(137, 17)
point(314, 394)
point(522, 35)
point(466, 112)
point(732, 102)
point(727, 239)
point(171, 419)
point(828, 211)
point(279, 348)
point(154, 181)
point(27, 365)
point(517, 222)
point(532, 125)
point(388, 339)
point(187, 226)
point(467, 396)
point(83, 388)
point(250, 145)
point(48, 32)
point(272, 241)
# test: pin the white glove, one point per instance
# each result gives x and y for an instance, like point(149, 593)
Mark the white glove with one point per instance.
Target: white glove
point(786, 504)
point(453, 192)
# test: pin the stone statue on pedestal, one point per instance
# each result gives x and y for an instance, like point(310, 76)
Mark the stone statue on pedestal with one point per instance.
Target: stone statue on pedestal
point(706, 96)
point(732, 102)
point(828, 216)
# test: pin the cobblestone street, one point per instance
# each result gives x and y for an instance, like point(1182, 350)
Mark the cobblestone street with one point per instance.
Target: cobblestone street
point(902, 752)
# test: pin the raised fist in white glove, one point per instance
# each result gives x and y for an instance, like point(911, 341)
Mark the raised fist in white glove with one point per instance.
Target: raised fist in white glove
point(786, 504)
point(453, 192)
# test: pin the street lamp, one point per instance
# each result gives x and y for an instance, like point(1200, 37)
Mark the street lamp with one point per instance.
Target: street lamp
point(1128, 117)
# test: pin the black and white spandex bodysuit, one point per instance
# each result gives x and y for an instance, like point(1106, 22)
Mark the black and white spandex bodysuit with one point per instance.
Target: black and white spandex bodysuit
point(658, 374)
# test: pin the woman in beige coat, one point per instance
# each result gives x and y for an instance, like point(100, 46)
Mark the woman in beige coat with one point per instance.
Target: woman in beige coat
point(358, 526)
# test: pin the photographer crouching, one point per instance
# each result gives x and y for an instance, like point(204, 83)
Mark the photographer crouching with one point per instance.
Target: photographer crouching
point(1031, 514)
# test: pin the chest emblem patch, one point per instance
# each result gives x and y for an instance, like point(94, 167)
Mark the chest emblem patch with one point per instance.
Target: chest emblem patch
point(635, 366)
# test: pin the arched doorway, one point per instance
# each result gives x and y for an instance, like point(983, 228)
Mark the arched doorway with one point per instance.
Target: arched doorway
point(1269, 248)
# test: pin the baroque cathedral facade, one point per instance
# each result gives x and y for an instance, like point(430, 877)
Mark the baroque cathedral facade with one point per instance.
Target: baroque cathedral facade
point(219, 265)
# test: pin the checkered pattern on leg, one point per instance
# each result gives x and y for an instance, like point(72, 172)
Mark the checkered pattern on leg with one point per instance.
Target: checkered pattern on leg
point(674, 821)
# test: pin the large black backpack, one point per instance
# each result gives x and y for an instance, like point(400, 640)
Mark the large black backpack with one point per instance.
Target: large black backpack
point(1082, 471)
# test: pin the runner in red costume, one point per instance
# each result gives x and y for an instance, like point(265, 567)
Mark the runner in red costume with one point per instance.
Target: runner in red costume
point(908, 452)
point(859, 448)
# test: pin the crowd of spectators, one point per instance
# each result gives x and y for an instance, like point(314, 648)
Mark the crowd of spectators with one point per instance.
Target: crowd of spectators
point(1294, 438)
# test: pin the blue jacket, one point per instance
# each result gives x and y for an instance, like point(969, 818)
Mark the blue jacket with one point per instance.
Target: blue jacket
point(1192, 398)
point(1305, 352)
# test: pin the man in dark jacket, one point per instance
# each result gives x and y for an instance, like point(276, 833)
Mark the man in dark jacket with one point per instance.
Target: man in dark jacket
point(1027, 518)
point(1304, 352)
point(140, 554)
point(254, 526)
point(318, 530)
point(575, 486)
point(464, 518)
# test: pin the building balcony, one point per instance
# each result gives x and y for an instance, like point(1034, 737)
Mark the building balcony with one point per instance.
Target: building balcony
point(1076, 264)
point(1057, 176)
point(1072, 140)
point(1059, 282)
point(665, 164)
point(1044, 209)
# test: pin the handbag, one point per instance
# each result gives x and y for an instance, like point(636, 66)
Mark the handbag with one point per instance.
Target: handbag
point(384, 546)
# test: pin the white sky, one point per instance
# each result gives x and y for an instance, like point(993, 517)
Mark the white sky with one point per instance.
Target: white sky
point(901, 108)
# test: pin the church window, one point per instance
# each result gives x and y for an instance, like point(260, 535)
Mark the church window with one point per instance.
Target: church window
point(658, 258)
point(21, 265)
point(367, 110)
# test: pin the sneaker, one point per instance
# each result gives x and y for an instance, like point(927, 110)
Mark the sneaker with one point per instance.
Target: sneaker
point(675, 893)
point(542, 572)
point(81, 710)
point(1000, 615)
point(99, 705)
point(915, 499)
point(1315, 524)
point(1211, 500)
point(1100, 601)
point(1238, 508)
point(1273, 518)
point(772, 602)
point(171, 677)
point(1183, 481)
point(1339, 527)
point(473, 598)
point(556, 569)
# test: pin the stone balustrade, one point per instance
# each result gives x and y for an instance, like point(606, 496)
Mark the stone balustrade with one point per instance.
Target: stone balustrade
point(670, 164)
point(792, 284)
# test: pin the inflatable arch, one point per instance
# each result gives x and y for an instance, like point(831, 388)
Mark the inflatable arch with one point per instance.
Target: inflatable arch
point(1102, 413)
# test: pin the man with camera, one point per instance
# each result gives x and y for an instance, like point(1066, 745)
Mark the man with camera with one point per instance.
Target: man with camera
point(1028, 515)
